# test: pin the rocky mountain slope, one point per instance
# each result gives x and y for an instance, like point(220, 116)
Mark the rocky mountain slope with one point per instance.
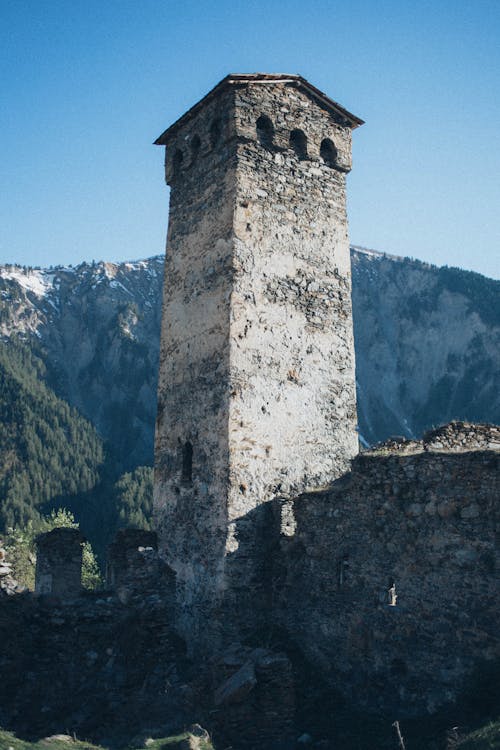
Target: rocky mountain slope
point(427, 344)
point(96, 328)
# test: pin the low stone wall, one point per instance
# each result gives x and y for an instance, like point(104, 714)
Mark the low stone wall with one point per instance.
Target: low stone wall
point(93, 666)
point(462, 436)
point(415, 530)
point(134, 567)
point(93, 662)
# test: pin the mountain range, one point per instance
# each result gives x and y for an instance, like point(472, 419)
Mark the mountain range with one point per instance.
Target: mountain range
point(86, 339)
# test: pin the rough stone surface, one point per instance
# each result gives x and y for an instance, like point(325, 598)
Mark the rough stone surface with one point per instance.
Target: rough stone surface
point(93, 666)
point(427, 524)
point(135, 568)
point(257, 388)
point(103, 664)
point(457, 437)
point(59, 562)
point(454, 437)
point(255, 704)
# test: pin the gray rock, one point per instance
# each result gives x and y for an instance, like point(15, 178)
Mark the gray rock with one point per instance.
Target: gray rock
point(237, 687)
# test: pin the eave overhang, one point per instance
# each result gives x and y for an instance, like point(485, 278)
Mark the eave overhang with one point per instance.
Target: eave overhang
point(240, 79)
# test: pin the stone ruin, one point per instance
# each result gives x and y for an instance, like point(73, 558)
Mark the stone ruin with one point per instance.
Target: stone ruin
point(287, 565)
point(454, 437)
point(93, 661)
point(134, 567)
point(457, 437)
point(59, 562)
point(254, 683)
point(380, 569)
point(389, 580)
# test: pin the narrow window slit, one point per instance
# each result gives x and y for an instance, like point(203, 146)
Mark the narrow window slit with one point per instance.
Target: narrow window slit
point(187, 462)
point(393, 597)
point(195, 148)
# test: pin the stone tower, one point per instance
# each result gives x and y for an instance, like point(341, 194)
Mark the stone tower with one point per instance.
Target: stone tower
point(257, 386)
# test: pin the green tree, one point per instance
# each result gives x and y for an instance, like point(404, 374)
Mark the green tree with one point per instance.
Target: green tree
point(47, 450)
point(134, 498)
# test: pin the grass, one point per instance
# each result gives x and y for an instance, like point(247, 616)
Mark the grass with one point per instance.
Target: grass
point(486, 738)
point(8, 740)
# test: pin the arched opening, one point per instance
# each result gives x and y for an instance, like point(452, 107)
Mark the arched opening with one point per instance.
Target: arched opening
point(215, 131)
point(187, 462)
point(298, 142)
point(328, 153)
point(265, 131)
point(177, 161)
point(195, 148)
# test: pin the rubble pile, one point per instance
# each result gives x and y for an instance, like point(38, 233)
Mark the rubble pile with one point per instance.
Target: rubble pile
point(454, 437)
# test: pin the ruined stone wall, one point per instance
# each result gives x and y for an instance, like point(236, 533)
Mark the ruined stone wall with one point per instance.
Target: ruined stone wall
point(257, 388)
point(426, 522)
point(103, 664)
point(254, 701)
point(95, 666)
point(457, 437)
point(59, 562)
point(109, 666)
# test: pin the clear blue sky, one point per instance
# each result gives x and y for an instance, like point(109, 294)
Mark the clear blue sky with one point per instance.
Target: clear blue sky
point(87, 86)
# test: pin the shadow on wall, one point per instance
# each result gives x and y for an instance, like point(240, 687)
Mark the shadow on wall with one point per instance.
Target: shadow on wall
point(387, 583)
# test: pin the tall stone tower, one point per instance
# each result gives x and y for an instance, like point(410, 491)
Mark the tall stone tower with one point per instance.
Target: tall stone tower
point(257, 387)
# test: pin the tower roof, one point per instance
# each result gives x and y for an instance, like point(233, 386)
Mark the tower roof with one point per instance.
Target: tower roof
point(240, 79)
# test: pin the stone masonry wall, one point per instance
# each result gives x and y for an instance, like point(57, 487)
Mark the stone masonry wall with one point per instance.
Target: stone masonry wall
point(426, 523)
point(95, 666)
point(293, 404)
point(292, 418)
point(103, 664)
point(59, 562)
point(191, 446)
point(257, 388)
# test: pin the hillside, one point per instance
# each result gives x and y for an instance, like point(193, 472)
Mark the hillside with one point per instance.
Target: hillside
point(96, 327)
point(48, 450)
point(52, 457)
point(427, 349)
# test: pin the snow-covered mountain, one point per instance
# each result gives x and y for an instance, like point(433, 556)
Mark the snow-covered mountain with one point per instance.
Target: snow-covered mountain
point(96, 327)
point(427, 343)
